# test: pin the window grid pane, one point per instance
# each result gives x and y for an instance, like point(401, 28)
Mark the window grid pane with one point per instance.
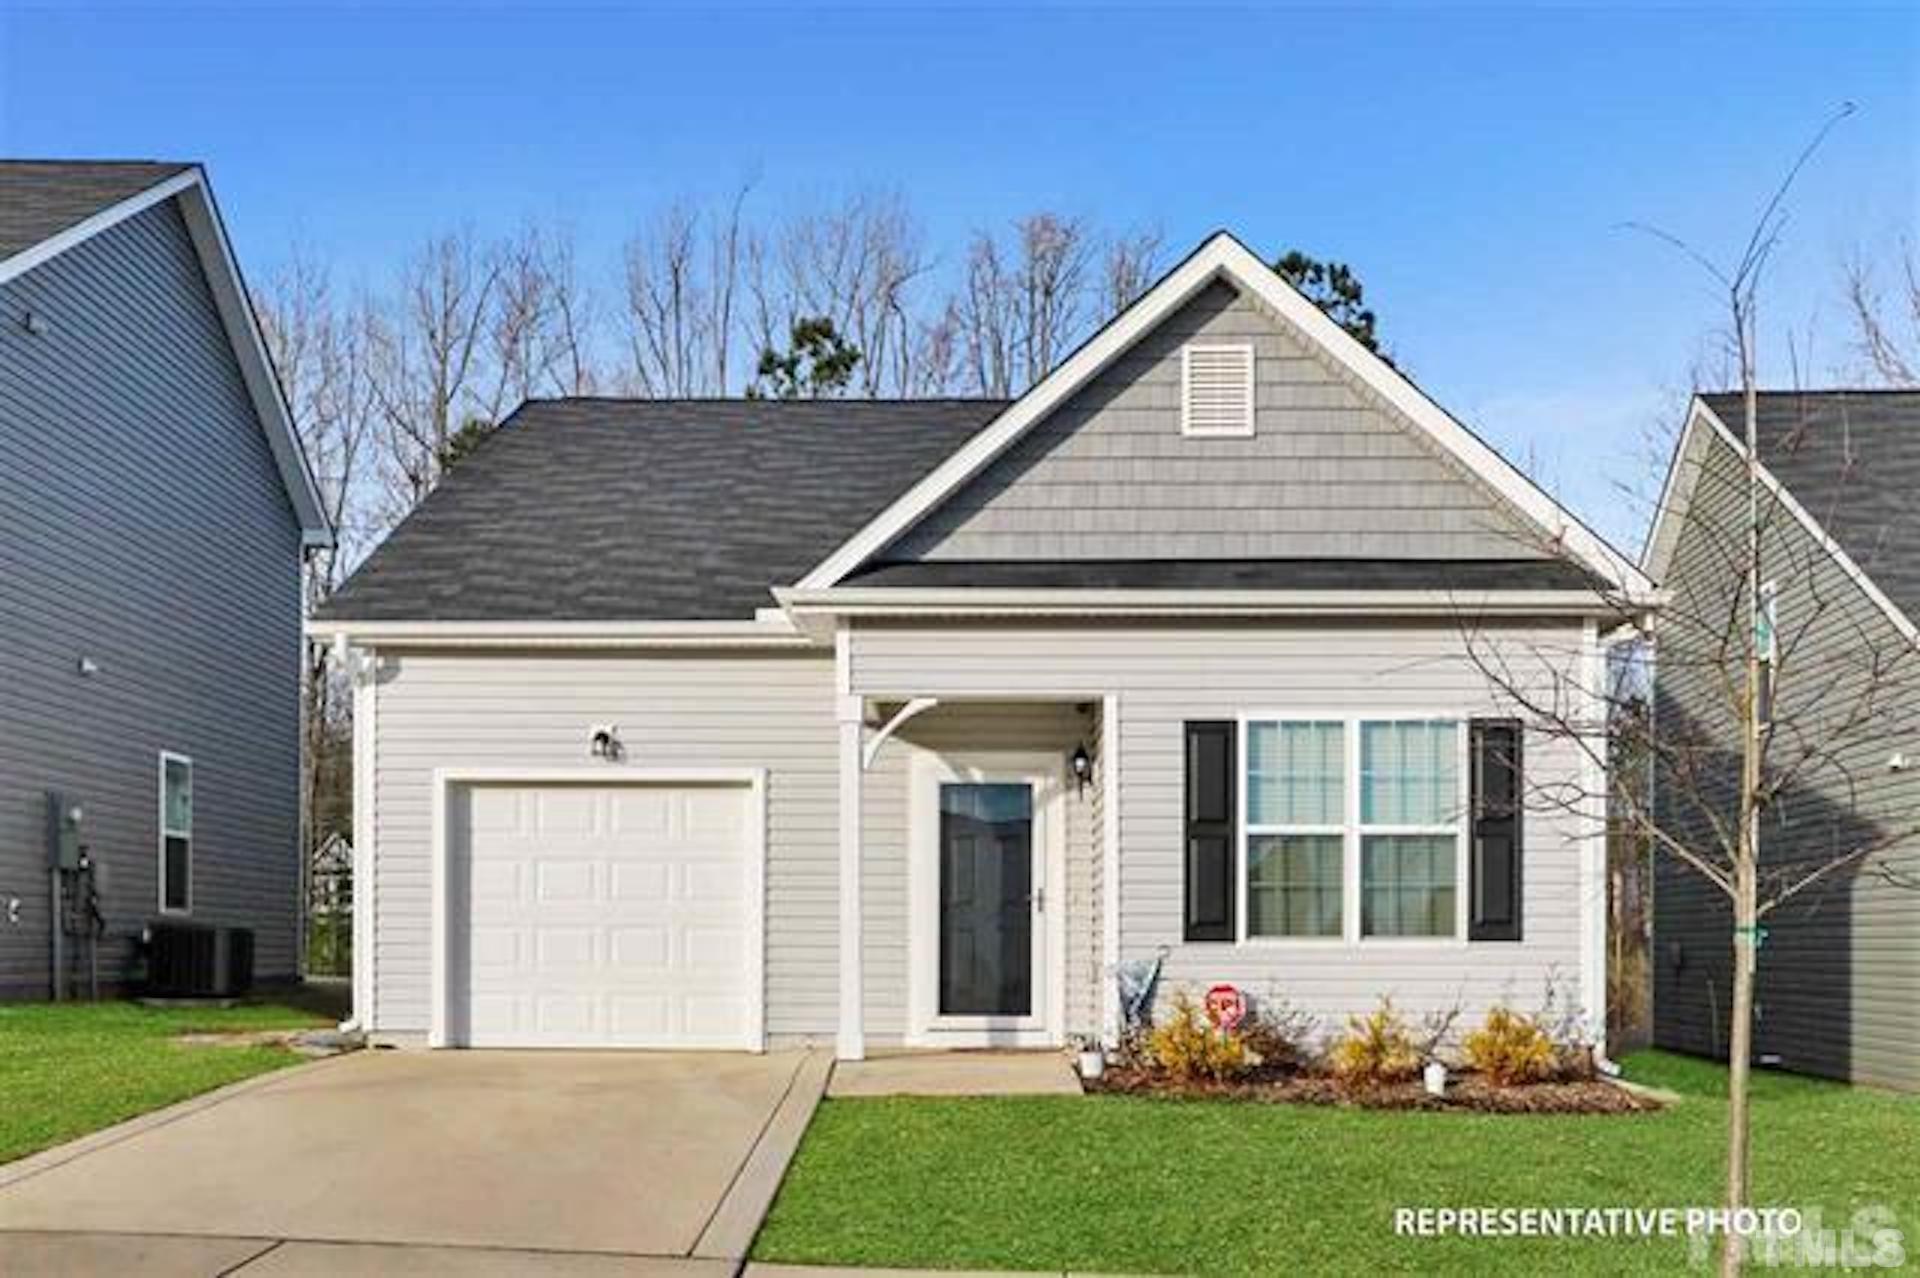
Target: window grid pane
point(177, 797)
point(1296, 774)
point(1407, 885)
point(1408, 773)
point(1294, 884)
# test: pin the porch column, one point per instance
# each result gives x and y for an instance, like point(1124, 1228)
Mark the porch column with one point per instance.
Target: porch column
point(850, 1044)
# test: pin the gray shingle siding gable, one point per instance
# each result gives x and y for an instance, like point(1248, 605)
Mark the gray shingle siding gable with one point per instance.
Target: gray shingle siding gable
point(1328, 473)
point(143, 524)
point(1839, 975)
point(1851, 458)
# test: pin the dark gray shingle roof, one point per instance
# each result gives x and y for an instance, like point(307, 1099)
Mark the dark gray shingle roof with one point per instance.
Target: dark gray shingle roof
point(1852, 459)
point(1235, 574)
point(41, 198)
point(651, 510)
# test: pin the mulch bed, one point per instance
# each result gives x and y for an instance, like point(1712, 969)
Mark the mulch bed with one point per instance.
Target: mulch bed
point(1465, 1093)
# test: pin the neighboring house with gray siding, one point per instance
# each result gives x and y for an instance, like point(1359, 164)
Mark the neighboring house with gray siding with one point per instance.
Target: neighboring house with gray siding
point(154, 510)
point(1838, 982)
point(725, 723)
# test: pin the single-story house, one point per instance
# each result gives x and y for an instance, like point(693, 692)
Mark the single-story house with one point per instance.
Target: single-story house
point(1837, 982)
point(728, 723)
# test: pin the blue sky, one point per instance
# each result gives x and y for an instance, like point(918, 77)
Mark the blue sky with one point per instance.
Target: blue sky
point(1473, 163)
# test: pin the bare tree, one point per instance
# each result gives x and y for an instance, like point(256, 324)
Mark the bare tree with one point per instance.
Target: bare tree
point(1759, 715)
point(427, 349)
point(665, 310)
point(1129, 264)
point(1886, 330)
point(859, 264)
point(539, 328)
point(1056, 254)
point(1025, 301)
point(320, 354)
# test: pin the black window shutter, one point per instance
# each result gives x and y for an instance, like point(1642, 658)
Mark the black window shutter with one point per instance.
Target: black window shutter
point(1212, 759)
point(1494, 874)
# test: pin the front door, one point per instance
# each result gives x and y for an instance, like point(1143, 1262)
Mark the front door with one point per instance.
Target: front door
point(986, 899)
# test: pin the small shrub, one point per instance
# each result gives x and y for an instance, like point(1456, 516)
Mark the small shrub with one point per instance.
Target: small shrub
point(1512, 1049)
point(1280, 1034)
point(1377, 1048)
point(1185, 1046)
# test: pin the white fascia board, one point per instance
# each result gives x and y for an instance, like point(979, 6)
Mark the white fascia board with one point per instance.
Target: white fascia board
point(1704, 426)
point(222, 272)
point(561, 634)
point(909, 601)
point(28, 258)
point(1676, 493)
point(1223, 256)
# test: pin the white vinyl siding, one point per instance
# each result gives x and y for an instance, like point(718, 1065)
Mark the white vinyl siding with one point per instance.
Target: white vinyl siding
point(675, 710)
point(735, 710)
point(1167, 673)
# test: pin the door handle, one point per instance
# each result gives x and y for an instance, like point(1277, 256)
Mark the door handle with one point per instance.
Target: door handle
point(1038, 900)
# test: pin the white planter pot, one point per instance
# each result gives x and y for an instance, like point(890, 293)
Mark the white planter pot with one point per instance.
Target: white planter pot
point(1436, 1078)
point(1093, 1063)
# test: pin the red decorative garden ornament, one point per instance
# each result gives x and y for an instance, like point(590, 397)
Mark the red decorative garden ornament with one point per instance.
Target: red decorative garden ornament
point(1226, 1007)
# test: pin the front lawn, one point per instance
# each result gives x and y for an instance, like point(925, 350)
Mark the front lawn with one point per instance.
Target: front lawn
point(67, 1069)
point(1123, 1184)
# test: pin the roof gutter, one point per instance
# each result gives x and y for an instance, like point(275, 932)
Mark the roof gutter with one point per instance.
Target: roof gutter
point(767, 633)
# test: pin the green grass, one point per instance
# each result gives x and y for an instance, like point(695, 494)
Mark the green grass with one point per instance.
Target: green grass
point(72, 1068)
point(1156, 1186)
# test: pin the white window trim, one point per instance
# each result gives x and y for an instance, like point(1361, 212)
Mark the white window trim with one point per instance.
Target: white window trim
point(160, 842)
point(1352, 831)
point(1187, 428)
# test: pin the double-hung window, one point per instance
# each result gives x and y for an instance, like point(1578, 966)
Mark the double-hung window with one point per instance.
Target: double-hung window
point(1354, 828)
point(1409, 827)
point(176, 833)
point(1296, 828)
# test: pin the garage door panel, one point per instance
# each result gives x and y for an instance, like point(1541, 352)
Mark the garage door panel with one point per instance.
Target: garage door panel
point(641, 811)
point(607, 915)
point(716, 1018)
point(639, 881)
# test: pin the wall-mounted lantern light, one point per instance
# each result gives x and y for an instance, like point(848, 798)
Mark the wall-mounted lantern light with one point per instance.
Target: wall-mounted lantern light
point(1082, 764)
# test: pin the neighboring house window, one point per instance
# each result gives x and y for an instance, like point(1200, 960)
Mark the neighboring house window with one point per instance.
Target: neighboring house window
point(1766, 646)
point(176, 833)
point(1216, 390)
point(1362, 806)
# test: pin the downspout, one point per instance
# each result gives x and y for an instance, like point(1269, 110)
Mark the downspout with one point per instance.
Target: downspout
point(343, 654)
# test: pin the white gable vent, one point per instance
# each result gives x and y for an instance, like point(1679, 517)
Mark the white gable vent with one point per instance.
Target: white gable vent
point(1216, 390)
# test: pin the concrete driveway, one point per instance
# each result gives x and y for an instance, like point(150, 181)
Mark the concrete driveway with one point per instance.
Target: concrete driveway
point(631, 1155)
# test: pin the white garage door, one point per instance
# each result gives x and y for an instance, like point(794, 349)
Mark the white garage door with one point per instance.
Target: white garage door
point(604, 916)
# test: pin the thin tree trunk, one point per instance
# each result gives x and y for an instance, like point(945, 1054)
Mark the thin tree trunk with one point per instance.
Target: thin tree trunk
point(1739, 1058)
point(1746, 866)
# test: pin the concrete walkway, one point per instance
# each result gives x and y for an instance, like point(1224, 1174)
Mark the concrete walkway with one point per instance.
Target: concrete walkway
point(943, 1073)
point(471, 1162)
